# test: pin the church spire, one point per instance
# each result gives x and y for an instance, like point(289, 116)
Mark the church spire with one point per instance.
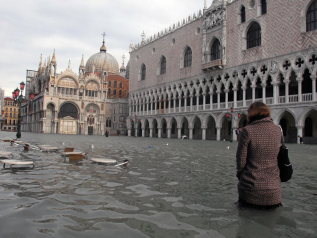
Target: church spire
point(82, 64)
point(53, 58)
point(103, 48)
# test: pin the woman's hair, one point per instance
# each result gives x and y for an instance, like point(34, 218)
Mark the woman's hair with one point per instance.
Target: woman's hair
point(258, 111)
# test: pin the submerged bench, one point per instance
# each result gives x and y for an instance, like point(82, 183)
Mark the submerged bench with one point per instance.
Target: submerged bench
point(110, 161)
point(5, 154)
point(16, 162)
point(73, 155)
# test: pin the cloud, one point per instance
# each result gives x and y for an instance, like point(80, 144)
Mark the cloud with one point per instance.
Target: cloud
point(30, 28)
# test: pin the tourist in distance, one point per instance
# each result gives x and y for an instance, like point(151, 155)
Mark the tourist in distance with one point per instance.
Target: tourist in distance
point(257, 168)
point(300, 140)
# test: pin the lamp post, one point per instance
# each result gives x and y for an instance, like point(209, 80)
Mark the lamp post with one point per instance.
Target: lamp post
point(234, 117)
point(19, 99)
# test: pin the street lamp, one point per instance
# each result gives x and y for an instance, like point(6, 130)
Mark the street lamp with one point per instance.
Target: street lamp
point(231, 116)
point(19, 99)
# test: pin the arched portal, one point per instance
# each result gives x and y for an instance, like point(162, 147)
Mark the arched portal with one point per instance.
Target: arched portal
point(211, 130)
point(50, 116)
point(164, 129)
point(173, 128)
point(197, 132)
point(155, 128)
point(185, 130)
point(68, 117)
point(310, 128)
point(226, 130)
point(287, 122)
point(146, 128)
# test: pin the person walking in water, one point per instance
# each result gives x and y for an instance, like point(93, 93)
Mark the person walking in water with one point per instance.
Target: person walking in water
point(257, 168)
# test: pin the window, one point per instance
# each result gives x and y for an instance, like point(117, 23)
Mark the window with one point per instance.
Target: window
point(143, 72)
point(115, 84)
point(115, 92)
point(263, 6)
point(242, 14)
point(10, 109)
point(311, 17)
point(163, 65)
point(215, 50)
point(109, 91)
point(119, 92)
point(109, 84)
point(120, 85)
point(254, 35)
point(188, 57)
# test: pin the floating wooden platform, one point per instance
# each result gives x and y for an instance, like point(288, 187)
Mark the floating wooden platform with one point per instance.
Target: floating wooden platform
point(73, 155)
point(110, 161)
point(5, 154)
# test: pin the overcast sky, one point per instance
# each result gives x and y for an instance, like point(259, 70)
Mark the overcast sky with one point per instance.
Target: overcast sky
point(29, 28)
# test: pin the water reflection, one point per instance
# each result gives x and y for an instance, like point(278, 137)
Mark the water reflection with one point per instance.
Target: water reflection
point(185, 189)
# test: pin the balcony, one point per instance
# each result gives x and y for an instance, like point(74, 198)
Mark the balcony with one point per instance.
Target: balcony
point(215, 64)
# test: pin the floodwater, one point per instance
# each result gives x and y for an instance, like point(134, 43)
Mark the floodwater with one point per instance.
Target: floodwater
point(178, 188)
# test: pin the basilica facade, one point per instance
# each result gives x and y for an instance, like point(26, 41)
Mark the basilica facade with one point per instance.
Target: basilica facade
point(198, 76)
point(83, 103)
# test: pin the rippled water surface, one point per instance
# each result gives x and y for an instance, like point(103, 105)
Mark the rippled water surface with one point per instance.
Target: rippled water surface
point(178, 188)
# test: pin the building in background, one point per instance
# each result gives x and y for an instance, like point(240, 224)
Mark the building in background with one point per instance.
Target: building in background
point(185, 79)
point(2, 119)
point(11, 110)
point(68, 103)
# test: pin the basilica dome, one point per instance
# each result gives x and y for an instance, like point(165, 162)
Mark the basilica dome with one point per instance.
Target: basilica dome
point(98, 60)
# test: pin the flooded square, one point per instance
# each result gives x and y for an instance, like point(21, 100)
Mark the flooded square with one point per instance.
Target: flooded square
point(170, 188)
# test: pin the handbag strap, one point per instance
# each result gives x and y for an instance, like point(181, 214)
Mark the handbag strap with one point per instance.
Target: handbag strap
point(282, 137)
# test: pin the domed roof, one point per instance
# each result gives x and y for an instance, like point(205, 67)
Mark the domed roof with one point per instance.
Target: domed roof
point(98, 61)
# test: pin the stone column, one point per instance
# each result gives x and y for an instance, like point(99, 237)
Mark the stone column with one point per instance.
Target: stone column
point(168, 133)
point(299, 80)
point(218, 133)
point(174, 105)
point(218, 99)
point(130, 109)
point(314, 88)
point(160, 105)
point(164, 106)
point(263, 92)
point(197, 103)
point(253, 92)
point(226, 91)
point(275, 98)
point(191, 102)
point(234, 135)
point(299, 133)
point(179, 103)
point(159, 134)
point(244, 96)
point(150, 107)
point(211, 101)
point(204, 101)
point(185, 103)
point(169, 105)
point(143, 132)
point(286, 91)
point(151, 132)
point(203, 129)
point(235, 97)
point(179, 135)
point(190, 133)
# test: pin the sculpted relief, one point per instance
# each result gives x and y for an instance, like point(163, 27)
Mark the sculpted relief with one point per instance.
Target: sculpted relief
point(214, 18)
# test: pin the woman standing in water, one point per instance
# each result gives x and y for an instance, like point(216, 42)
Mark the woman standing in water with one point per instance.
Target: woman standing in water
point(257, 168)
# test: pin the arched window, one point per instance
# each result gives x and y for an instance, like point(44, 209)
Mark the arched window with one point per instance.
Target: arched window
point(311, 17)
point(120, 85)
point(242, 14)
point(264, 7)
point(109, 91)
point(163, 65)
point(143, 72)
point(119, 92)
point(114, 92)
point(109, 84)
point(215, 50)
point(115, 84)
point(254, 35)
point(188, 57)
